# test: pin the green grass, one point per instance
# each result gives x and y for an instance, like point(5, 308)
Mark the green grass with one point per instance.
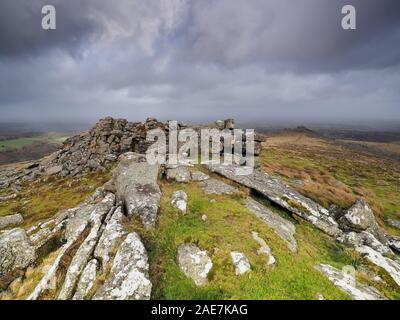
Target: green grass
point(19, 143)
point(228, 228)
point(41, 200)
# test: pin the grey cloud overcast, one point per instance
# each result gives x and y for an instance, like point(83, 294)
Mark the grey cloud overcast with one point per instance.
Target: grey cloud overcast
point(199, 59)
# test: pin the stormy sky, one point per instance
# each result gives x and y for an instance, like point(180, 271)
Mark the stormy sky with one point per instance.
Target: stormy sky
point(253, 60)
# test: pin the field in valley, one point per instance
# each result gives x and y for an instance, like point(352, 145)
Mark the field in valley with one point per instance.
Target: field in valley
point(16, 147)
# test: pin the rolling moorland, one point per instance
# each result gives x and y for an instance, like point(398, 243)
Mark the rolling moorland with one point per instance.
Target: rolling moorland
point(248, 244)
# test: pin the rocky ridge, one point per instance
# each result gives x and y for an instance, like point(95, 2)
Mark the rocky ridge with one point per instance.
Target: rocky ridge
point(92, 244)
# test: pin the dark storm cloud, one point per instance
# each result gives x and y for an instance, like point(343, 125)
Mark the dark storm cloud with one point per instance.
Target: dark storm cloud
point(21, 32)
point(301, 35)
point(199, 59)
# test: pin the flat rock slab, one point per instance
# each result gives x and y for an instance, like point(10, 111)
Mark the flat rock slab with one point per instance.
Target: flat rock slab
point(128, 279)
point(392, 267)
point(11, 221)
point(194, 262)
point(81, 231)
point(241, 263)
point(281, 194)
point(199, 176)
point(283, 228)
point(112, 235)
point(136, 185)
point(348, 284)
point(214, 186)
point(84, 253)
point(86, 281)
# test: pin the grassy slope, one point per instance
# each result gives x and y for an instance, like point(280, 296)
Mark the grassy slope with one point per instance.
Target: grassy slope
point(41, 200)
point(336, 175)
point(228, 228)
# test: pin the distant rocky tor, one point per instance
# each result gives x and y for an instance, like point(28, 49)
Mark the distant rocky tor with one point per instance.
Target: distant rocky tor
point(96, 258)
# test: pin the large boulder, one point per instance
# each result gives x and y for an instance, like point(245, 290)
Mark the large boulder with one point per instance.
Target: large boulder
point(16, 254)
point(128, 279)
point(194, 263)
point(136, 185)
point(359, 217)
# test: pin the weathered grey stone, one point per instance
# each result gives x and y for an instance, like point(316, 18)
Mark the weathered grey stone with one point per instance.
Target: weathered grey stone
point(8, 197)
point(179, 200)
point(359, 217)
point(53, 170)
point(80, 235)
point(85, 251)
point(348, 283)
point(128, 279)
point(11, 221)
point(194, 262)
point(45, 238)
point(277, 192)
point(110, 238)
point(16, 254)
point(394, 243)
point(363, 238)
point(180, 174)
point(241, 263)
point(86, 281)
point(264, 248)
point(391, 266)
point(214, 186)
point(199, 176)
point(283, 228)
point(137, 188)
